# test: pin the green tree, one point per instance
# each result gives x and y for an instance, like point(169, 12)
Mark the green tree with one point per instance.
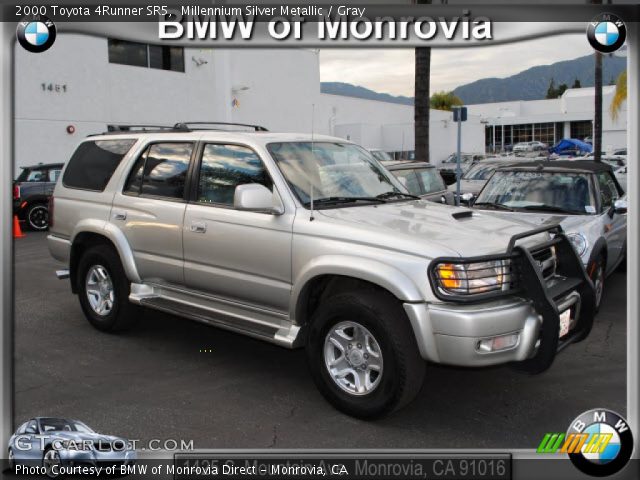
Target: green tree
point(620, 96)
point(444, 101)
point(576, 83)
point(551, 91)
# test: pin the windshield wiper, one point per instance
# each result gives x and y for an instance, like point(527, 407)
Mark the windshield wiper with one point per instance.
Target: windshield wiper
point(396, 194)
point(338, 200)
point(549, 208)
point(497, 206)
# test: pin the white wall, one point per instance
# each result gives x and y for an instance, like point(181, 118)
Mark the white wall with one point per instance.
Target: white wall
point(273, 88)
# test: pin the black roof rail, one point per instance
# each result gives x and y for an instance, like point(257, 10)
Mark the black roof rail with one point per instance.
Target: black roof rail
point(129, 128)
point(186, 126)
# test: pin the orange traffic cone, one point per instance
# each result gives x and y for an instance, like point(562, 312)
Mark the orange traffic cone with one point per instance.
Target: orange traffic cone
point(17, 231)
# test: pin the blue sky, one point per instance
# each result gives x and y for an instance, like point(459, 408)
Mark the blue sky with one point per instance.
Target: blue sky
point(391, 70)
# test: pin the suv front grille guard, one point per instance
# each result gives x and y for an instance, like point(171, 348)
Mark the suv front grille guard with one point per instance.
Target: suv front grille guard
point(546, 280)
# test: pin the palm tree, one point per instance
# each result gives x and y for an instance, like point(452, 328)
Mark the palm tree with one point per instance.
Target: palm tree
point(620, 96)
point(422, 101)
point(597, 114)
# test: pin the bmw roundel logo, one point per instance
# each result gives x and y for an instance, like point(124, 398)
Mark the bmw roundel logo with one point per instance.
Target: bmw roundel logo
point(606, 33)
point(605, 442)
point(36, 34)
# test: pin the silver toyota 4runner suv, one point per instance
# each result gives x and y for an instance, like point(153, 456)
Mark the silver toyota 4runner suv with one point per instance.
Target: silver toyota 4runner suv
point(309, 242)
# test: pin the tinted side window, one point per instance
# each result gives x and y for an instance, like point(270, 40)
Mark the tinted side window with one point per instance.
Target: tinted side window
point(93, 163)
point(22, 428)
point(224, 167)
point(165, 169)
point(134, 182)
point(608, 190)
point(32, 427)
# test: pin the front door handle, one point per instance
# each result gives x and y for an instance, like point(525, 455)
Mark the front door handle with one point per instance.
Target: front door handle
point(198, 227)
point(119, 215)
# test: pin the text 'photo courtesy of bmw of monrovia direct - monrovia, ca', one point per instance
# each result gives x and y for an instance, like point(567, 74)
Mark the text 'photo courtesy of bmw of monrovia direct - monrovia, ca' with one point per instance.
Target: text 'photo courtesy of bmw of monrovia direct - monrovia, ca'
point(308, 241)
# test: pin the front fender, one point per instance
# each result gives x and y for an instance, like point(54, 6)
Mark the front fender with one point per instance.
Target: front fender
point(372, 271)
point(119, 240)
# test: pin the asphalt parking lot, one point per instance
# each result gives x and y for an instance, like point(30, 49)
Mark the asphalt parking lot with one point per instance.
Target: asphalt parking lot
point(156, 382)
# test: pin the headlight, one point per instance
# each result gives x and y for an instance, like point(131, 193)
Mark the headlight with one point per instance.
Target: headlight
point(473, 278)
point(579, 242)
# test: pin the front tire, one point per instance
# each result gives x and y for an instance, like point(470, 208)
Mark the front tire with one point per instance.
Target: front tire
point(51, 458)
point(103, 290)
point(363, 355)
point(598, 275)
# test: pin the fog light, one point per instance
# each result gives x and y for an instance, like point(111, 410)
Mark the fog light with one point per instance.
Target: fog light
point(495, 344)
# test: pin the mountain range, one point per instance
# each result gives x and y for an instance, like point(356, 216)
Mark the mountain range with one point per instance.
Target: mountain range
point(530, 84)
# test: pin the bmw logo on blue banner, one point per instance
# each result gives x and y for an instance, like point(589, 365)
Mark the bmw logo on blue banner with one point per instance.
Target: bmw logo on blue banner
point(36, 34)
point(606, 33)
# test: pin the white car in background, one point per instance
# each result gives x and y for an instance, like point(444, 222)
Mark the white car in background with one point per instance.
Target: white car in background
point(621, 176)
point(533, 146)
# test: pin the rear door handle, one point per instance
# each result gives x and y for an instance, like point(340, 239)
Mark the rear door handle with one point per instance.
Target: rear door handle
point(198, 227)
point(119, 215)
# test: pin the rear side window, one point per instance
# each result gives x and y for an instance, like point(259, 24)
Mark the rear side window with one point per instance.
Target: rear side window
point(161, 171)
point(94, 162)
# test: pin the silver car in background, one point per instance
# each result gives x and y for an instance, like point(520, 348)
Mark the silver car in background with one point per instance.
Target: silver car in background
point(49, 441)
point(581, 195)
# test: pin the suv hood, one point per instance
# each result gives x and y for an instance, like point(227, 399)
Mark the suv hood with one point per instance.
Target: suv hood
point(429, 229)
point(569, 223)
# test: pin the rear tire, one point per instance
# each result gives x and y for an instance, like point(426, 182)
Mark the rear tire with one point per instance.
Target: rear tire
point(38, 217)
point(374, 332)
point(103, 290)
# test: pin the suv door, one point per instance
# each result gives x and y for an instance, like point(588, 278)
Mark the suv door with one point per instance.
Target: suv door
point(237, 255)
point(150, 210)
point(615, 224)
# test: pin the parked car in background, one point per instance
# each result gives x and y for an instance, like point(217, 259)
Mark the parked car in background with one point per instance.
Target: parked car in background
point(47, 441)
point(448, 167)
point(31, 192)
point(583, 196)
point(477, 176)
point(421, 179)
point(571, 147)
point(620, 152)
point(533, 146)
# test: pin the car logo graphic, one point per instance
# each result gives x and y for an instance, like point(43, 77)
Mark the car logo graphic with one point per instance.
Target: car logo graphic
point(36, 34)
point(606, 33)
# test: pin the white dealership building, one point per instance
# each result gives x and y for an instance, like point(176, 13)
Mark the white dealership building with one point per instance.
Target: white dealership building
point(82, 84)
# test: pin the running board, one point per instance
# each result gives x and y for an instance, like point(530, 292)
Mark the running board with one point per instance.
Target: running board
point(265, 325)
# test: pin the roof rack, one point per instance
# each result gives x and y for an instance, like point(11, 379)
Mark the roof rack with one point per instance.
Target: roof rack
point(129, 128)
point(178, 127)
point(186, 126)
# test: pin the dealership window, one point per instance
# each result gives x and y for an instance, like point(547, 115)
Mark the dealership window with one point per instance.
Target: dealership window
point(143, 55)
point(581, 129)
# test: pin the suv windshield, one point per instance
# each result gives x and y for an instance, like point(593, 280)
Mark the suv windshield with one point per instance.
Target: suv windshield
point(338, 173)
point(539, 191)
point(63, 425)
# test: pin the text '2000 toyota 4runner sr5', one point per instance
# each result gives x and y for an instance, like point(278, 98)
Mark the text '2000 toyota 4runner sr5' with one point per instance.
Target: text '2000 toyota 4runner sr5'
point(310, 242)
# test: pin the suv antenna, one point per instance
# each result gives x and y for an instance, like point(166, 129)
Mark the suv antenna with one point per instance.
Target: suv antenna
point(311, 217)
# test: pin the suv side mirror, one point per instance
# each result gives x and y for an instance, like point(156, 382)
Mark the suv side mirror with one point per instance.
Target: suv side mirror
point(253, 197)
point(620, 206)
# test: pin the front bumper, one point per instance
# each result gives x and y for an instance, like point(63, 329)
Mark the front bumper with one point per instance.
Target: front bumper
point(519, 324)
point(451, 334)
